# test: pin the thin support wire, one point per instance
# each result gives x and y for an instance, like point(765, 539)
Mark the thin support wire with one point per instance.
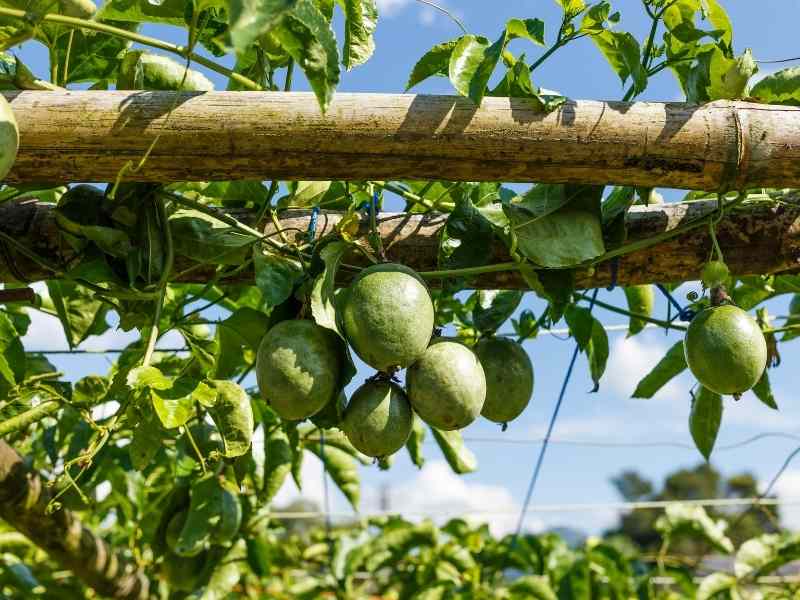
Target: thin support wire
point(537, 469)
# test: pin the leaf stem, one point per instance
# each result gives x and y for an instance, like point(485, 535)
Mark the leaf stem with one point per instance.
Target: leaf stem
point(627, 313)
point(182, 51)
point(166, 271)
point(468, 271)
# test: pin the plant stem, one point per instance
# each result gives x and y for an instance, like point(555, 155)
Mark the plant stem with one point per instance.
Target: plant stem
point(627, 313)
point(182, 51)
point(166, 271)
point(29, 417)
point(466, 272)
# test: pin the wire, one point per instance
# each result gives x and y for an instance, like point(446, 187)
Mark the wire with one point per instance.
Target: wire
point(555, 508)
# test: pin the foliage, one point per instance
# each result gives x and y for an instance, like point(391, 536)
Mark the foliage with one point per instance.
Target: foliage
point(164, 434)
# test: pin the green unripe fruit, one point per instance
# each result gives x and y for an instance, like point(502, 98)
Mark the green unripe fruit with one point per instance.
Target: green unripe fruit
point(9, 137)
point(725, 349)
point(715, 273)
point(140, 70)
point(388, 316)
point(298, 368)
point(174, 528)
point(509, 378)
point(447, 386)
point(378, 420)
point(183, 573)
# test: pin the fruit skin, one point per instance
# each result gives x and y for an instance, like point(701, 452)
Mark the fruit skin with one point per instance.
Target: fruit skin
point(388, 316)
point(715, 273)
point(509, 378)
point(9, 138)
point(447, 386)
point(144, 70)
point(298, 368)
point(183, 573)
point(378, 420)
point(725, 349)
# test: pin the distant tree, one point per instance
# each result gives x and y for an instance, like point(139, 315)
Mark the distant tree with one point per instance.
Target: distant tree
point(703, 481)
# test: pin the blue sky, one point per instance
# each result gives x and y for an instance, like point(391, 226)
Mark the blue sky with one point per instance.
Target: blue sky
point(572, 473)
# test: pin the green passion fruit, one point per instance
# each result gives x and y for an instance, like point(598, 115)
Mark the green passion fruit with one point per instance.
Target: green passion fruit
point(509, 378)
point(388, 316)
point(298, 368)
point(378, 419)
point(9, 137)
point(725, 349)
point(447, 386)
point(715, 273)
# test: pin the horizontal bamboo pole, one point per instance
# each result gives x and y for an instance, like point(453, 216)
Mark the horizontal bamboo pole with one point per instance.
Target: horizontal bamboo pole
point(69, 136)
point(758, 237)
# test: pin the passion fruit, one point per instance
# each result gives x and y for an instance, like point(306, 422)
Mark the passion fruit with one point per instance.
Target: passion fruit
point(297, 368)
point(378, 420)
point(447, 386)
point(9, 137)
point(388, 316)
point(509, 378)
point(183, 572)
point(725, 349)
point(715, 273)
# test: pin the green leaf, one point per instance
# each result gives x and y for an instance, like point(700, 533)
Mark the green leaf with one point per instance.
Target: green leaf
point(146, 441)
point(622, 52)
point(591, 338)
point(141, 70)
point(323, 299)
point(360, 23)
point(341, 466)
point(728, 77)
point(458, 456)
point(466, 238)
point(415, 442)
point(12, 353)
point(529, 29)
point(641, 299)
point(167, 12)
point(80, 314)
point(558, 226)
point(763, 391)
point(250, 19)
point(233, 417)
point(534, 587)
point(705, 419)
point(715, 584)
point(278, 457)
point(673, 363)
point(306, 35)
point(472, 63)
point(204, 516)
point(238, 339)
point(226, 574)
point(782, 87)
point(493, 308)
point(434, 62)
point(173, 400)
point(276, 276)
point(93, 56)
point(765, 554)
point(571, 7)
point(684, 518)
point(206, 239)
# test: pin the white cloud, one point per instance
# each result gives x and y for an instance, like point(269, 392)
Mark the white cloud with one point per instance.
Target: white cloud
point(389, 8)
point(427, 16)
point(788, 488)
point(633, 358)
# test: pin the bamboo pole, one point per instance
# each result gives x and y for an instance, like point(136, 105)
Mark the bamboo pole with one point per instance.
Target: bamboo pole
point(23, 505)
point(757, 238)
point(70, 136)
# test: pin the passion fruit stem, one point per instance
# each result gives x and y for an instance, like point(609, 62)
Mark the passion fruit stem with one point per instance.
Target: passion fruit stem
point(719, 296)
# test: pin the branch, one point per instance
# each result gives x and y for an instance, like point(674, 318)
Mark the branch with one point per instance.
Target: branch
point(757, 237)
point(276, 135)
point(23, 502)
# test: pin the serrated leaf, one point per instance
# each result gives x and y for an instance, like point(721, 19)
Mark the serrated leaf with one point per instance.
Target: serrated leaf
point(233, 417)
point(705, 419)
point(250, 19)
point(472, 63)
point(529, 29)
point(434, 62)
point(361, 20)
point(672, 364)
point(306, 35)
point(458, 456)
